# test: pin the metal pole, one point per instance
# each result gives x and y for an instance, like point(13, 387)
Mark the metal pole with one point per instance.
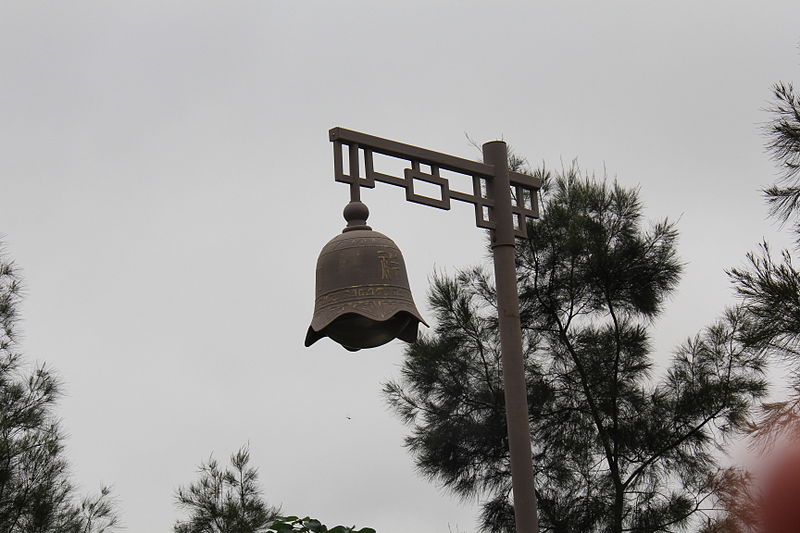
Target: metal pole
point(495, 153)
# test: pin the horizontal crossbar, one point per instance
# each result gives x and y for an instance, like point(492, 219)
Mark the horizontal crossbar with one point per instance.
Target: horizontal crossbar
point(427, 157)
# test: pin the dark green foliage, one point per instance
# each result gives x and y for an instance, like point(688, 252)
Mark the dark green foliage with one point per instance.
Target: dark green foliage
point(36, 494)
point(613, 449)
point(769, 290)
point(294, 524)
point(225, 500)
point(784, 143)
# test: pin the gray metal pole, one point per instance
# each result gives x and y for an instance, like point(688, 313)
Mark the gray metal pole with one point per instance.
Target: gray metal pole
point(495, 153)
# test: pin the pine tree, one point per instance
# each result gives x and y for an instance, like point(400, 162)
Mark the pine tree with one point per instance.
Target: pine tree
point(614, 449)
point(229, 500)
point(225, 500)
point(36, 493)
point(769, 289)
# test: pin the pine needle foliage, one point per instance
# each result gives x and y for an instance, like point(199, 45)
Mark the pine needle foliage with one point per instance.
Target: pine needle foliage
point(769, 287)
point(784, 145)
point(36, 492)
point(229, 500)
point(225, 499)
point(769, 290)
point(614, 449)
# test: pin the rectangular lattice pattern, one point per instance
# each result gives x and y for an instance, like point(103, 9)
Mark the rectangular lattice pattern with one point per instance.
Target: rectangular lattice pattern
point(524, 188)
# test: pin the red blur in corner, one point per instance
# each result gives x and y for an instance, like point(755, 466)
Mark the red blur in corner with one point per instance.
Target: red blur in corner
point(780, 497)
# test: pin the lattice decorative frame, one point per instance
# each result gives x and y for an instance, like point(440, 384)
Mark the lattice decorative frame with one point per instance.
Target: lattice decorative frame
point(524, 188)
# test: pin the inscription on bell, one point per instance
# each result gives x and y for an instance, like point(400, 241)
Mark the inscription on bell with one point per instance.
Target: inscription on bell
point(351, 294)
point(390, 264)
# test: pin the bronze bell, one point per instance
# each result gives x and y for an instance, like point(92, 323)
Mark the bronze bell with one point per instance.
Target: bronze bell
point(362, 299)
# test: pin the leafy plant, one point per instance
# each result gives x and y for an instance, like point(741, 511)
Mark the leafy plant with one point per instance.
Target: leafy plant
point(309, 525)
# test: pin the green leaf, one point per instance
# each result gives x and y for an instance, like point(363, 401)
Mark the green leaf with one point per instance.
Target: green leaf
point(314, 525)
point(282, 526)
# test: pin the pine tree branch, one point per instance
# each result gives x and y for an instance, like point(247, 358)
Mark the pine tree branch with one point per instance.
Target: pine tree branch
point(601, 430)
point(660, 453)
point(615, 380)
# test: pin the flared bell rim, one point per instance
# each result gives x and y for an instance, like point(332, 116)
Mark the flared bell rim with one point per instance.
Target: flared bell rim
point(408, 333)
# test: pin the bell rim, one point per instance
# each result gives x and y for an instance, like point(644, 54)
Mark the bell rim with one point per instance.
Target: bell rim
point(313, 334)
point(322, 320)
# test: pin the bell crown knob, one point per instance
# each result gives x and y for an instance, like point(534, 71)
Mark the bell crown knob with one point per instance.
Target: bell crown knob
point(356, 214)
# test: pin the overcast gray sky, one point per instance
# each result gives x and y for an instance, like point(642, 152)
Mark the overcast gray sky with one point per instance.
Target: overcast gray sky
point(166, 185)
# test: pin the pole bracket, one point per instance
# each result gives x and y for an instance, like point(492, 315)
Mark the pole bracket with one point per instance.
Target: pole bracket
point(524, 189)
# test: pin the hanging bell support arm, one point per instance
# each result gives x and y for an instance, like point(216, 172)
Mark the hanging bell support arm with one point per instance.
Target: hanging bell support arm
point(523, 188)
point(503, 201)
